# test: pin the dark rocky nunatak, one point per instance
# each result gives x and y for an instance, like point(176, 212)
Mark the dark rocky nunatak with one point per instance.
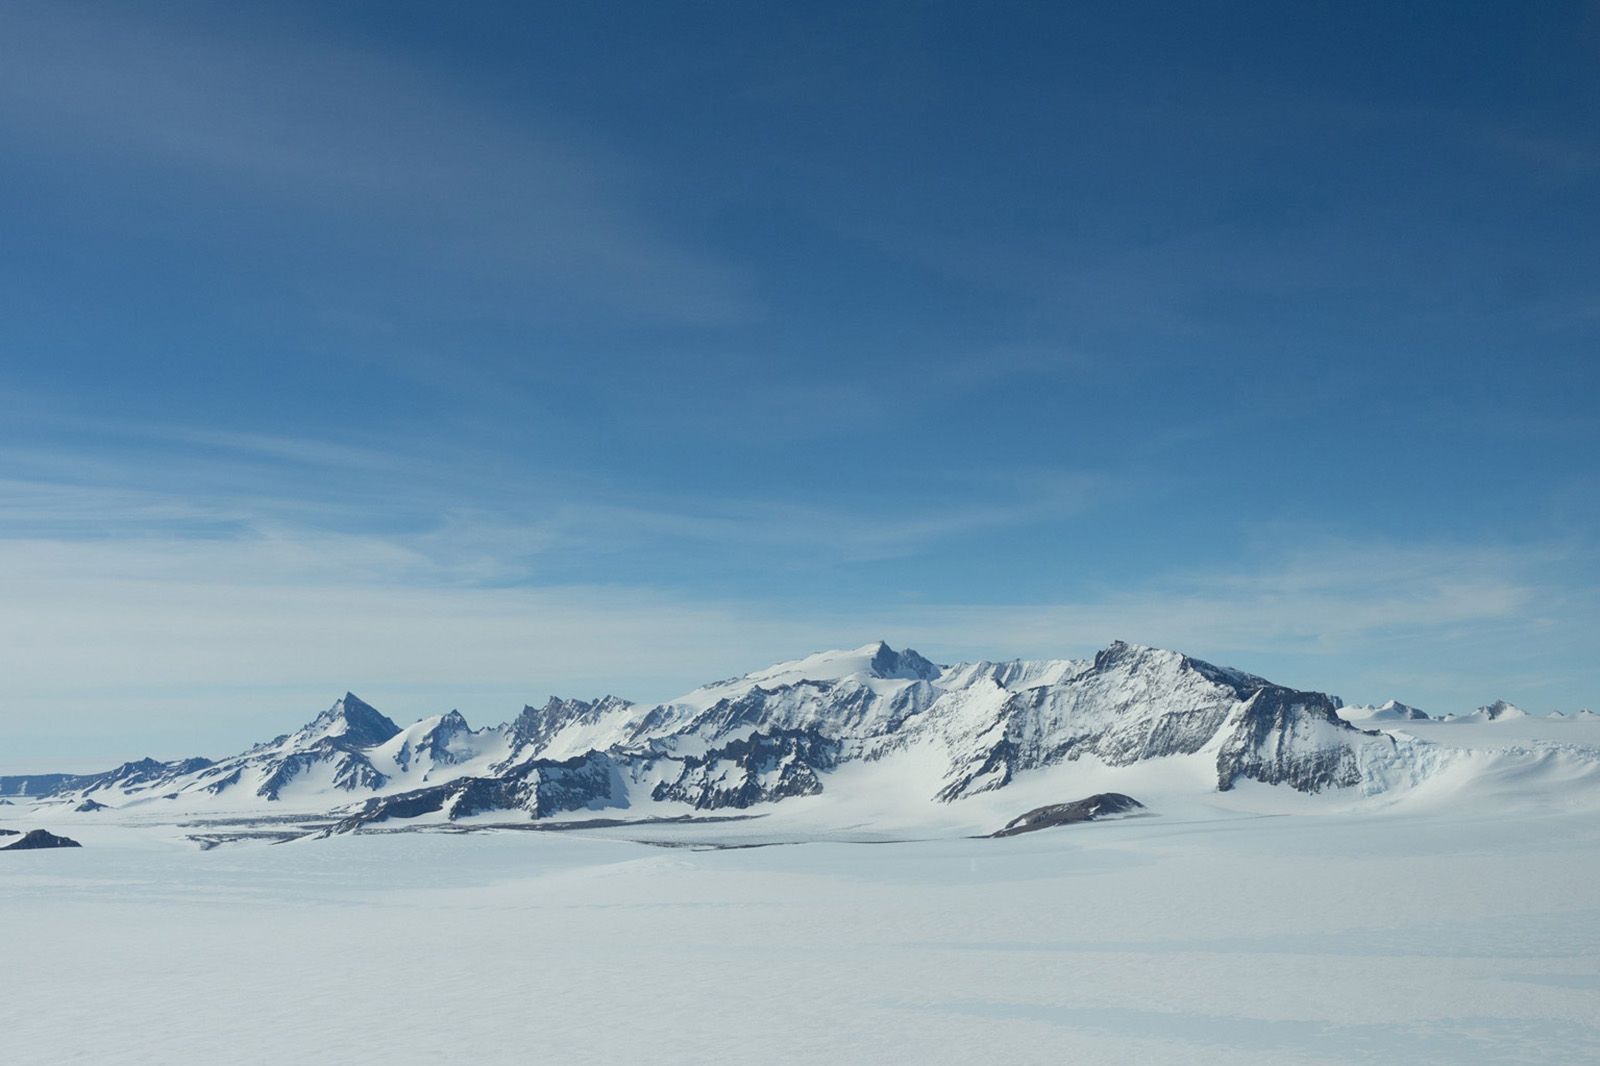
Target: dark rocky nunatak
point(1084, 810)
point(39, 838)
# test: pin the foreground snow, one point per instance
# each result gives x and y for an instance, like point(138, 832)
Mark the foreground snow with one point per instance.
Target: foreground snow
point(1203, 934)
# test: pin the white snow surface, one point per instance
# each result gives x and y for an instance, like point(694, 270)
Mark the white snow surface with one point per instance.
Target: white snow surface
point(1207, 932)
point(1388, 711)
point(856, 664)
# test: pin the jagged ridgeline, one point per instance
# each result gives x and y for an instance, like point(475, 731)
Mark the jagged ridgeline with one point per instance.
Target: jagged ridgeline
point(779, 733)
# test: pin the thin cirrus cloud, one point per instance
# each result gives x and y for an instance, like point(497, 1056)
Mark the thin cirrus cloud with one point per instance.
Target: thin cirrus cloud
point(362, 143)
point(249, 516)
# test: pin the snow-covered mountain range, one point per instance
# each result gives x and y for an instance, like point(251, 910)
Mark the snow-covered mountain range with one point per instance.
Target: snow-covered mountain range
point(775, 734)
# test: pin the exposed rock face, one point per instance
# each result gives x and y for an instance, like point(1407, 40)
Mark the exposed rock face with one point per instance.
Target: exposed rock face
point(37, 784)
point(1499, 711)
point(1283, 737)
point(143, 773)
point(351, 723)
point(847, 708)
point(348, 769)
point(438, 745)
point(540, 788)
point(902, 665)
point(1135, 703)
point(36, 839)
point(1100, 805)
point(763, 768)
point(88, 806)
point(562, 725)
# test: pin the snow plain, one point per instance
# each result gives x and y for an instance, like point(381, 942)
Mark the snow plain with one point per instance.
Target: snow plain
point(1210, 932)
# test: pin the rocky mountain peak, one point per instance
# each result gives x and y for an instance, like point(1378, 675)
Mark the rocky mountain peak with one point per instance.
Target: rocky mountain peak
point(351, 722)
point(1500, 710)
point(1123, 655)
point(904, 665)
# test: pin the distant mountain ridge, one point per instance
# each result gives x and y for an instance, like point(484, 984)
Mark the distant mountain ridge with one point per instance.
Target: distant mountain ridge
point(778, 733)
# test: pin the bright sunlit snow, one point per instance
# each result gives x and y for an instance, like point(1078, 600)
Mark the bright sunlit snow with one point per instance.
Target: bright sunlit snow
point(1199, 935)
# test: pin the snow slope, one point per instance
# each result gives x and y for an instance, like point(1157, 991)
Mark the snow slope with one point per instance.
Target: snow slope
point(1197, 936)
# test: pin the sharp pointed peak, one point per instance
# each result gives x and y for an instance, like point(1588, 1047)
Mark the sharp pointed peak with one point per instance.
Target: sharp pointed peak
point(900, 665)
point(452, 721)
point(350, 718)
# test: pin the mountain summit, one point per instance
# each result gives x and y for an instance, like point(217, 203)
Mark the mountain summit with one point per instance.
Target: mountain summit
point(351, 722)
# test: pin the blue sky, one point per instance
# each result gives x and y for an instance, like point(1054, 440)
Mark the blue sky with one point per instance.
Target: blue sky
point(464, 354)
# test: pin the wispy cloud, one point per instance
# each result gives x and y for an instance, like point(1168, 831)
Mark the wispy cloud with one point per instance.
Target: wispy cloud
point(1329, 600)
point(458, 513)
point(347, 140)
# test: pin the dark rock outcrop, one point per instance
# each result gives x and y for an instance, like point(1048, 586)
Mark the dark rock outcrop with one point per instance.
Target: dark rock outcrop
point(536, 728)
point(436, 745)
point(1284, 737)
point(761, 768)
point(541, 788)
point(351, 770)
point(904, 665)
point(38, 784)
point(1085, 810)
point(353, 723)
point(35, 839)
